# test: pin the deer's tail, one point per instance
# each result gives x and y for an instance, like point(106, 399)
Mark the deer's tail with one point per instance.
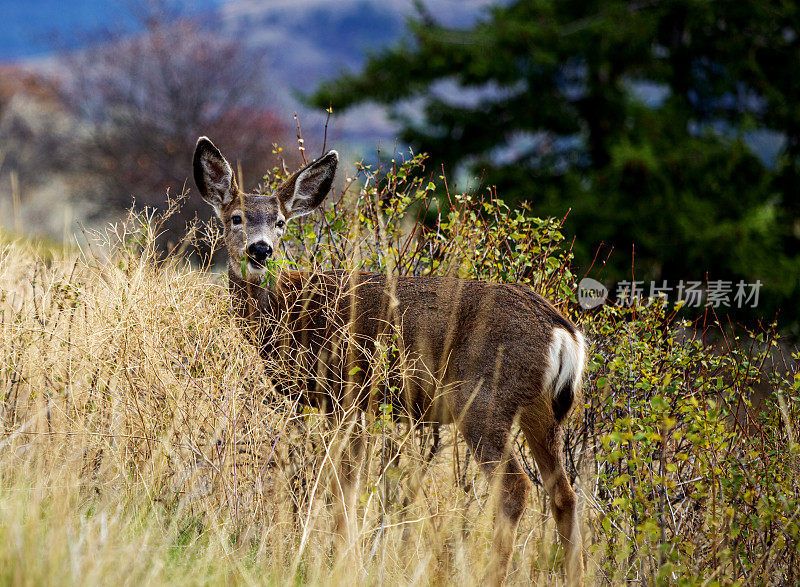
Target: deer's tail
point(566, 359)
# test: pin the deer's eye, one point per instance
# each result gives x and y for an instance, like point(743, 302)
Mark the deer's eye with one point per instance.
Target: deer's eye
point(280, 224)
point(236, 219)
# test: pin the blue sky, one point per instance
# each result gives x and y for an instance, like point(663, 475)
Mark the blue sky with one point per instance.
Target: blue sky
point(33, 28)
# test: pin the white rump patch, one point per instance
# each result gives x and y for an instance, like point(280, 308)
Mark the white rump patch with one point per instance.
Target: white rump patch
point(566, 358)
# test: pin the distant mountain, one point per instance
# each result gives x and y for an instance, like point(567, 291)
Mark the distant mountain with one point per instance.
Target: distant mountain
point(305, 41)
point(308, 41)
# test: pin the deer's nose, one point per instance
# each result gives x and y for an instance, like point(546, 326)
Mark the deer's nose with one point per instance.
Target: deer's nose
point(259, 251)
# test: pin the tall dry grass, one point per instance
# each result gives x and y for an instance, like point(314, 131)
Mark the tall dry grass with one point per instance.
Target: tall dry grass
point(143, 442)
point(143, 439)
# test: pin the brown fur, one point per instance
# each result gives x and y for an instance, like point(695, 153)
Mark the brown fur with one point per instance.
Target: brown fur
point(474, 354)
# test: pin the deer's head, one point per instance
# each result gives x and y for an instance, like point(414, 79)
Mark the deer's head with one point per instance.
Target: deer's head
point(255, 223)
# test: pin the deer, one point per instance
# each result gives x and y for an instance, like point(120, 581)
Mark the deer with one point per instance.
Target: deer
point(485, 357)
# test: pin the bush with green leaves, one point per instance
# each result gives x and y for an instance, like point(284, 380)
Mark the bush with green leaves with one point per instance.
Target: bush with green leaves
point(686, 450)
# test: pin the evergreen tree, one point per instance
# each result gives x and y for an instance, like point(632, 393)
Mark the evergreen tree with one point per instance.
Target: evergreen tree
point(634, 115)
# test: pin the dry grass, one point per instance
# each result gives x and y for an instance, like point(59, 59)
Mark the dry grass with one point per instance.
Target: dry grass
point(142, 442)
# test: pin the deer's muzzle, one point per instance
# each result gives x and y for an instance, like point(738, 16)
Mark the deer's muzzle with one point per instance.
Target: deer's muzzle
point(259, 252)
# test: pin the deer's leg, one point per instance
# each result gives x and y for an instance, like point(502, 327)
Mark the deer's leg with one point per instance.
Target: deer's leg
point(490, 443)
point(547, 447)
point(345, 483)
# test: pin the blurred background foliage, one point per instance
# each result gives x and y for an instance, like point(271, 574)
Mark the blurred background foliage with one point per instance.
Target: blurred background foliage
point(113, 123)
point(669, 131)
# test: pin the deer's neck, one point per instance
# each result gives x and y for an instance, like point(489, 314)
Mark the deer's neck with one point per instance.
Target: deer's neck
point(251, 301)
point(264, 308)
point(255, 303)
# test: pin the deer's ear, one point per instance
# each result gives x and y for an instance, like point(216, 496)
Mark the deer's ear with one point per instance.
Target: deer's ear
point(213, 175)
point(308, 187)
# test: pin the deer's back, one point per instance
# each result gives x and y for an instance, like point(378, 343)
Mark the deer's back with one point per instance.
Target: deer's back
point(436, 332)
